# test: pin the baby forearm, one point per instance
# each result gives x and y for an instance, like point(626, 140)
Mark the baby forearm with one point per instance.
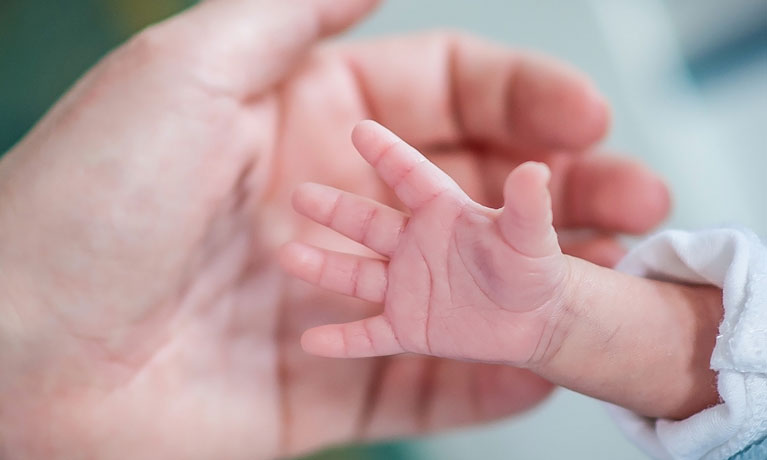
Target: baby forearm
point(642, 344)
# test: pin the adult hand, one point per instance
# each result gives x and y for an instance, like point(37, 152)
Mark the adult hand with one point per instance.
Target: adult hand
point(142, 313)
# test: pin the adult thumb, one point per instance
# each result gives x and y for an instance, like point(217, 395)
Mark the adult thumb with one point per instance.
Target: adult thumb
point(242, 47)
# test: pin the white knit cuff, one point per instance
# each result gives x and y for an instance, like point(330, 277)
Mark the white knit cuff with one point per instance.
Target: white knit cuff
point(736, 261)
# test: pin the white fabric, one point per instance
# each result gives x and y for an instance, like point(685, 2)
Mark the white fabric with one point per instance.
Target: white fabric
point(736, 261)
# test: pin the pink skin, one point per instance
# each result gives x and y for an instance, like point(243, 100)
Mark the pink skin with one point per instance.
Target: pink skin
point(464, 281)
point(460, 280)
point(144, 315)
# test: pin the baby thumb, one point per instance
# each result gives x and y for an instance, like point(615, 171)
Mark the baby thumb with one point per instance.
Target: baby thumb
point(526, 218)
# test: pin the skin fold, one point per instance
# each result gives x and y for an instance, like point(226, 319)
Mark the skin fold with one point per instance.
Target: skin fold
point(143, 313)
point(463, 281)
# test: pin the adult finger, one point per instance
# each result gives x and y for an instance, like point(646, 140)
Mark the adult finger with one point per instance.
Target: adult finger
point(447, 88)
point(420, 394)
point(604, 250)
point(607, 193)
point(242, 46)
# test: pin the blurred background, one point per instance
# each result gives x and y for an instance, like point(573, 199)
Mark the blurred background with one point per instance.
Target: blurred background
point(687, 80)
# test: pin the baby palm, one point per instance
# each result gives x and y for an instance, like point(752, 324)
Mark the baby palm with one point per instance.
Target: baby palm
point(461, 280)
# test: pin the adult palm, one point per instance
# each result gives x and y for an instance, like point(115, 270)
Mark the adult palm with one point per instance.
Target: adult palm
point(143, 313)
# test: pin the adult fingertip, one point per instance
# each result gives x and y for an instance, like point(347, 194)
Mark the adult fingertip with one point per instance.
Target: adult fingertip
point(595, 114)
point(244, 46)
point(553, 105)
point(604, 250)
point(644, 196)
point(338, 15)
point(611, 193)
point(504, 390)
point(654, 205)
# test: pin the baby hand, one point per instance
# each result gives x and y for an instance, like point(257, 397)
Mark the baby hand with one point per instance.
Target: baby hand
point(456, 279)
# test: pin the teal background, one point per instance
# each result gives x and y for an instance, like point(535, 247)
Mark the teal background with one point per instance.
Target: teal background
point(46, 45)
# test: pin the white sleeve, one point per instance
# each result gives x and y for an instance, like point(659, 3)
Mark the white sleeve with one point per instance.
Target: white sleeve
point(736, 261)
